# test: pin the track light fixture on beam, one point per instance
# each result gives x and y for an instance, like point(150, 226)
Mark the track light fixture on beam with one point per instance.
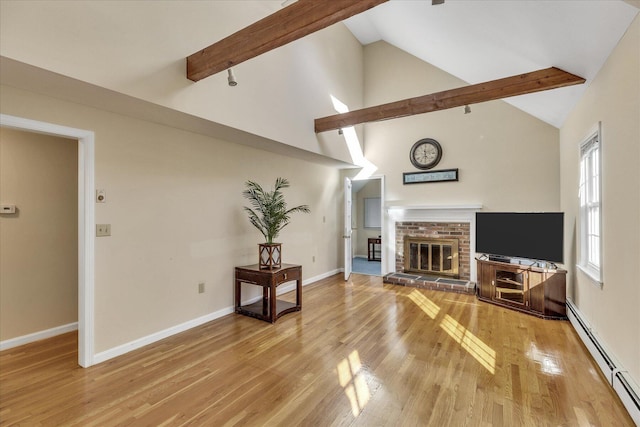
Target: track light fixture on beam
point(535, 81)
point(231, 78)
point(290, 23)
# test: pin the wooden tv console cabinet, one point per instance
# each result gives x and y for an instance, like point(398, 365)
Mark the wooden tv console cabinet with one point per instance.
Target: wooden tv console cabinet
point(533, 290)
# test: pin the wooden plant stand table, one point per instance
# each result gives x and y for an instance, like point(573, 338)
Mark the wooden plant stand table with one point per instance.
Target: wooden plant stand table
point(269, 308)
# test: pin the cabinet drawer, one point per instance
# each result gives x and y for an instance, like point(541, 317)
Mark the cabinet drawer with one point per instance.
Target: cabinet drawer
point(287, 275)
point(252, 277)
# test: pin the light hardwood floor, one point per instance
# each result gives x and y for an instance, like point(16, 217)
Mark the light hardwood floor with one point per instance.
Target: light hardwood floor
point(360, 353)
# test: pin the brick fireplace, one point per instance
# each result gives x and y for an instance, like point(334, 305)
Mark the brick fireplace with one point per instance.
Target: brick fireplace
point(446, 222)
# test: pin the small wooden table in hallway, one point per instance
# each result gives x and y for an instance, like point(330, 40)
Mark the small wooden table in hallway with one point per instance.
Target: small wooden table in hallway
point(374, 254)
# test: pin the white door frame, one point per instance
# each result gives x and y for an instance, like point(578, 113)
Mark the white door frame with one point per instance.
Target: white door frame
point(348, 231)
point(383, 229)
point(86, 223)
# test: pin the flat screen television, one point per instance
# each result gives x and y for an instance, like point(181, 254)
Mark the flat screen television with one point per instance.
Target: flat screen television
point(537, 236)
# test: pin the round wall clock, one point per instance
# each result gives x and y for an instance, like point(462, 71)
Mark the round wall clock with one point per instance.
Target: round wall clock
point(425, 153)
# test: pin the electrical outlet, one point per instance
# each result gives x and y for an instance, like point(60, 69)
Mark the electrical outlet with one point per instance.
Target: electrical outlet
point(7, 209)
point(103, 230)
point(201, 287)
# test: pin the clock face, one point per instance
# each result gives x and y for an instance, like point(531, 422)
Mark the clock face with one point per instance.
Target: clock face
point(425, 153)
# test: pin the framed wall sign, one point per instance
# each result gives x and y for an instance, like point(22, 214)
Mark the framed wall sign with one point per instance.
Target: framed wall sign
point(430, 176)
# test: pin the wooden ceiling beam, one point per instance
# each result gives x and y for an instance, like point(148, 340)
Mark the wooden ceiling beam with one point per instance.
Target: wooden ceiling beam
point(536, 81)
point(288, 24)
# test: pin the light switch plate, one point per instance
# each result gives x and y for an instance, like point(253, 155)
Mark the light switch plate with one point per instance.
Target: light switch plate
point(101, 196)
point(103, 230)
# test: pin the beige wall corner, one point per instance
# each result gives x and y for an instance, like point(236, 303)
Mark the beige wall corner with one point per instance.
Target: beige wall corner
point(612, 98)
point(635, 3)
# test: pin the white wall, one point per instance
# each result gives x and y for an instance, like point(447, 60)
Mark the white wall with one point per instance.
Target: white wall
point(613, 98)
point(139, 48)
point(507, 159)
point(39, 243)
point(175, 208)
point(174, 196)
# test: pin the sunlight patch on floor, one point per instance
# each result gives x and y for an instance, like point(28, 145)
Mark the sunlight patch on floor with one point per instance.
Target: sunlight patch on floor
point(353, 382)
point(430, 308)
point(548, 363)
point(484, 354)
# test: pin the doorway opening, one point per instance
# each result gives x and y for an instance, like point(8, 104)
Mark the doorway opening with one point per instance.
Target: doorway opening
point(86, 222)
point(367, 226)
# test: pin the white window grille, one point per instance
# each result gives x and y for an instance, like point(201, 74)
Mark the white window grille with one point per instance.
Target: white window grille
point(591, 207)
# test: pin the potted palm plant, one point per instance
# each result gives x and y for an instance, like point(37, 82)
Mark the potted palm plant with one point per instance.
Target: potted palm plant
point(269, 214)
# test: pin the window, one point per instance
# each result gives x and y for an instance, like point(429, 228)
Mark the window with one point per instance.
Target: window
point(591, 207)
point(372, 212)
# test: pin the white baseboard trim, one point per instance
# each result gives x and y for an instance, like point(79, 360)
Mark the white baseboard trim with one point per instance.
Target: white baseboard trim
point(157, 336)
point(288, 287)
point(37, 336)
point(614, 372)
point(291, 286)
point(321, 276)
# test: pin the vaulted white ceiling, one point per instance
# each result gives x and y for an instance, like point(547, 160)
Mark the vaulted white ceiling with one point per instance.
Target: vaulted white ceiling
point(478, 41)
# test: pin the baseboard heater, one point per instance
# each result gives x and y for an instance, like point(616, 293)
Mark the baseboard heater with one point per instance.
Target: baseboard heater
point(617, 377)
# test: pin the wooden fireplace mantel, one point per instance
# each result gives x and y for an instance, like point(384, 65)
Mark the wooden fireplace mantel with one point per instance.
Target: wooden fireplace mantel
point(472, 207)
